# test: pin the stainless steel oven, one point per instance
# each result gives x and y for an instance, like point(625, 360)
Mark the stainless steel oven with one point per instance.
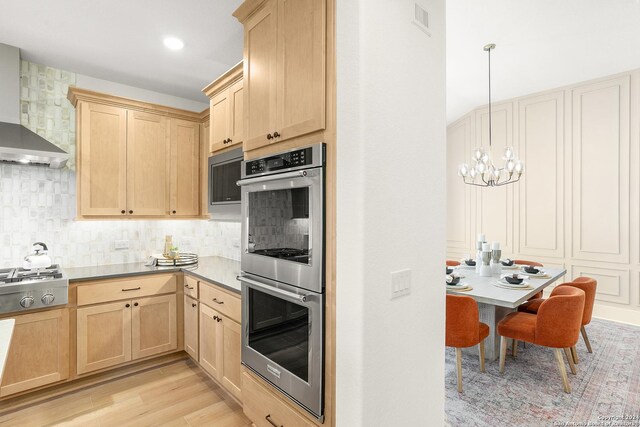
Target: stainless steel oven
point(282, 263)
point(282, 338)
point(283, 217)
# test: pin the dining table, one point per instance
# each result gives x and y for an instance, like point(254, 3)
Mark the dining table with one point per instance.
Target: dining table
point(495, 300)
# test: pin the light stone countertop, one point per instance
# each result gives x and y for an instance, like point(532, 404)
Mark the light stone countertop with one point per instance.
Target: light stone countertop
point(6, 332)
point(217, 270)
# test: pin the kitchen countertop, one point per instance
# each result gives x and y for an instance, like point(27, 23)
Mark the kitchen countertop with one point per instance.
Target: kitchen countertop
point(6, 332)
point(218, 270)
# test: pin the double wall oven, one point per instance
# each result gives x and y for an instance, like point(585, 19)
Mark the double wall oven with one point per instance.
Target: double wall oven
point(282, 261)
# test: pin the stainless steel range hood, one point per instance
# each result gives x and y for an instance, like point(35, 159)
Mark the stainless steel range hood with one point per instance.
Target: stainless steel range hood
point(17, 143)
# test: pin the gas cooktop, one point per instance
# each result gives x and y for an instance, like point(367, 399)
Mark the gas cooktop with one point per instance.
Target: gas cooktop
point(22, 289)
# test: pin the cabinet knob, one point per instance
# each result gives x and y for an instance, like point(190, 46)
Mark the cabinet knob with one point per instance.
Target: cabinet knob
point(135, 304)
point(276, 135)
point(224, 141)
point(128, 305)
point(130, 211)
point(229, 140)
point(173, 212)
point(219, 319)
point(215, 317)
point(269, 136)
point(123, 212)
point(193, 305)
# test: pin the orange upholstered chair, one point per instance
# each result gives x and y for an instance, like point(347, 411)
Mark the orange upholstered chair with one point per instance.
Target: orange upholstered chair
point(588, 285)
point(557, 325)
point(464, 329)
point(451, 263)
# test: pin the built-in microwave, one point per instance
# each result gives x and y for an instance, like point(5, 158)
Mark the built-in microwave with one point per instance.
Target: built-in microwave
point(224, 194)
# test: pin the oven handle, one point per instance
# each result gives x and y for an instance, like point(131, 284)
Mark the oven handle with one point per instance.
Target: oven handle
point(294, 174)
point(272, 289)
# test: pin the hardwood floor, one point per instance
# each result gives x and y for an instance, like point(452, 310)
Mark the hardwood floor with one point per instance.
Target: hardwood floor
point(179, 394)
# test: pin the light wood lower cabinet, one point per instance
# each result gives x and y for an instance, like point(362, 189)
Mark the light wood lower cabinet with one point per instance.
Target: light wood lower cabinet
point(153, 326)
point(191, 337)
point(220, 348)
point(210, 354)
point(39, 351)
point(264, 409)
point(104, 336)
point(115, 333)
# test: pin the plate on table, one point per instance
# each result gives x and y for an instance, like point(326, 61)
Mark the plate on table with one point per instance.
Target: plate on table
point(459, 287)
point(504, 284)
point(539, 275)
point(510, 267)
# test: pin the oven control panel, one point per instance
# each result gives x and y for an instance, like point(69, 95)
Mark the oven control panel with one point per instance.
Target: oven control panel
point(291, 159)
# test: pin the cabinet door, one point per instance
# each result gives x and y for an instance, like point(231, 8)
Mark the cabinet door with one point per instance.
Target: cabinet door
point(236, 116)
point(231, 361)
point(210, 352)
point(220, 110)
point(185, 168)
point(38, 353)
point(191, 312)
point(260, 76)
point(147, 164)
point(103, 336)
point(102, 151)
point(301, 67)
point(153, 326)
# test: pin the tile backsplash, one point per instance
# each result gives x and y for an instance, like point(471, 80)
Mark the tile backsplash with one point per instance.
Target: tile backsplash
point(39, 204)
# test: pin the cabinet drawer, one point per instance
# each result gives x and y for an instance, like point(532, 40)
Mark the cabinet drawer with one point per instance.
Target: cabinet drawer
point(222, 301)
point(261, 406)
point(134, 287)
point(190, 287)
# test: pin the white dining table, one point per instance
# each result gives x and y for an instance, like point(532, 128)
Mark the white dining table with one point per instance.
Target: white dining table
point(495, 302)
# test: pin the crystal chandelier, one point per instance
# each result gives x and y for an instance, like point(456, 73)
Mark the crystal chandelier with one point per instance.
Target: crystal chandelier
point(483, 172)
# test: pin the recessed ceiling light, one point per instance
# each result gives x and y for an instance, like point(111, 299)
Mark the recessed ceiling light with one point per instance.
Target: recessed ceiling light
point(173, 43)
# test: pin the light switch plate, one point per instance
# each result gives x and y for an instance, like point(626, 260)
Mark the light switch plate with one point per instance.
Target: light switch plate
point(121, 244)
point(400, 283)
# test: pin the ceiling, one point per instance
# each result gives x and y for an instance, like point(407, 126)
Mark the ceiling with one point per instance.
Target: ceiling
point(121, 40)
point(540, 44)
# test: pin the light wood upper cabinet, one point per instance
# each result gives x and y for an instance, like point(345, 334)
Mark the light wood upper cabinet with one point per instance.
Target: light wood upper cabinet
point(148, 141)
point(260, 68)
point(102, 154)
point(226, 110)
point(39, 351)
point(136, 159)
point(284, 71)
point(153, 326)
point(103, 336)
point(191, 337)
point(300, 67)
point(185, 168)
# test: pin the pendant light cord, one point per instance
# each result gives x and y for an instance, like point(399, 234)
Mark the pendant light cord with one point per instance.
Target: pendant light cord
point(489, 50)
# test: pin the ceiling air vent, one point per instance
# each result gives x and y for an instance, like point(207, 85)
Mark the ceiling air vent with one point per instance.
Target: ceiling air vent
point(421, 19)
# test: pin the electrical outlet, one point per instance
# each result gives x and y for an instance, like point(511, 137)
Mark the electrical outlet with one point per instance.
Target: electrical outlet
point(121, 244)
point(400, 283)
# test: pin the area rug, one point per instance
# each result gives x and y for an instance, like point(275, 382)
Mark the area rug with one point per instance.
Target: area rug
point(605, 391)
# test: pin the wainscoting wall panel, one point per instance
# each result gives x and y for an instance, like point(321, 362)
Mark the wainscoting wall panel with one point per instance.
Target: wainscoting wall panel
point(578, 203)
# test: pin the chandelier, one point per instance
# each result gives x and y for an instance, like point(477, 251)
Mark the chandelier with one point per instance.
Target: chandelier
point(483, 172)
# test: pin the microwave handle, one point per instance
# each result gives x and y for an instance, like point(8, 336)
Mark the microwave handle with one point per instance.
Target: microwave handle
point(273, 290)
point(294, 174)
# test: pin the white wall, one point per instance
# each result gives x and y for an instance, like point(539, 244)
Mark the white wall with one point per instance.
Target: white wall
point(390, 214)
point(9, 83)
point(118, 89)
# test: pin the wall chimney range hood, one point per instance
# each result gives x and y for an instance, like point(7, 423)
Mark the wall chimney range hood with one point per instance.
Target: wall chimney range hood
point(17, 143)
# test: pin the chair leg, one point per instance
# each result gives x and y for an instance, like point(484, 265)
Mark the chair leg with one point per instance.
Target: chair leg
point(514, 348)
point(586, 339)
point(524, 344)
point(459, 368)
point(574, 354)
point(567, 352)
point(481, 344)
point(563, 371)
point(503, 352)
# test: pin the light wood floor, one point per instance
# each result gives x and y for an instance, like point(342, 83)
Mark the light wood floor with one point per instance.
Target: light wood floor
point(179, 394)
